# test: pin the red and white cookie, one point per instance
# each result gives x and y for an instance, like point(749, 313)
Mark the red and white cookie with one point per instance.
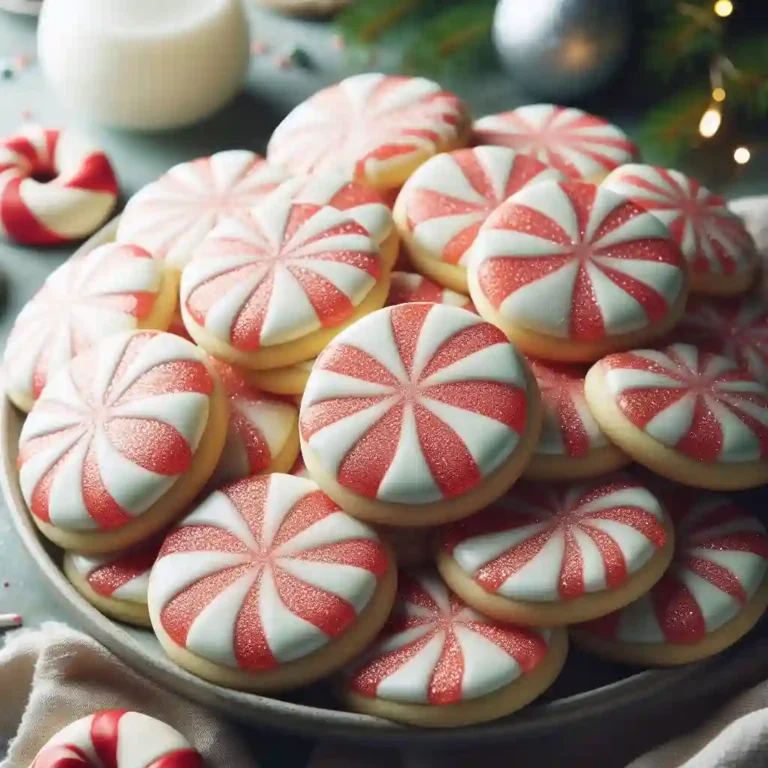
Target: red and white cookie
point(54, 187)
point(442, 206)
point(360, 202)
point(553, 554)
point(121, 440)
point(580, 145)
point(571, 270)
point(689, 415)
point(721, 254)
point(115, 584)
point(171, 216)
point(118, 739)
point(439, 663)
point(111, 289)
point(736, 328)
point(418, 414)
point(572, 445)
point(263, 433)
point(274, 290)
point(408, 288)
point(268, 585)
point(374, 128)
point(713, 593)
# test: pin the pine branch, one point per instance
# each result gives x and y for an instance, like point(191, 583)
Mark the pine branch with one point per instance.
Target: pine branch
point(366, 21)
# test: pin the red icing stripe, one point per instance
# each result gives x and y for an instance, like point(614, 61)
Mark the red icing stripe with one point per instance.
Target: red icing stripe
point(62, 756)
point(19, 222)
point(105, 735)
point(94, 174)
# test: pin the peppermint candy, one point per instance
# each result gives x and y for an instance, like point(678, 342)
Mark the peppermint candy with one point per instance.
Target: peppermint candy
point(698, 403)
point(372, 127)
point(713, 240)
point(114, 430)
point(576, 261)
point(260, 427)
point(109, 290)
point(415, 403)
point(265, 571)
point(81, 193)
point(721, 558)
point(437, 650)
point(292, 269)
point(118, 739)
point(568, 427)
point(448, 198)
point(121, 576)
point(736, 328)
point(560, 542)
point(408, 288)
point(575, 143)
point(171, 216)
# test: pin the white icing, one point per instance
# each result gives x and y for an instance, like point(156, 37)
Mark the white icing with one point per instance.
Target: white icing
point(543, 300)
point(408, 478)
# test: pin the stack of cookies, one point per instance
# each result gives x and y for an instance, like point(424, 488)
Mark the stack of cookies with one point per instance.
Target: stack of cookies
point(369, 407)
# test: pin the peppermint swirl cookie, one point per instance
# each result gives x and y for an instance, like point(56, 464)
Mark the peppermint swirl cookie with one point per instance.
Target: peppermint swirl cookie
point(691, 416)
point(571, 271)
point(274, 290)
point(115, 584)
point(121, 440)
point(118, 739)
point(721, 254)
point(111, 289)
point(439, 663)
point(554, 554)
point(409, 288)
point(171, 216)
point(376, 129)
point(580, 145)
point(441, 208)
point(268, 585)
point(713, 593)
point(572, 446)
point(418, 414)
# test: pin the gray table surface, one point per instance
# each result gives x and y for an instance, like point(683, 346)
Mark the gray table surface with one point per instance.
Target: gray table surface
point(139, 158)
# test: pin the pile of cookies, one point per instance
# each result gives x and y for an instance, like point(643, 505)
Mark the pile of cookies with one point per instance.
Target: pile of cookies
point(367, 407)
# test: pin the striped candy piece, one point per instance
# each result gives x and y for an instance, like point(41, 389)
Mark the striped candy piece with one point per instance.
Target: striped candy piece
point(576, 143)
point(292, 269)
point(568, 428)
point(408, 288)
point(713, 240)
point(171, 216)
point(736, 328)
point(437, 650)
point(265, 571)
point(721, 558)
point(260, 426)
point(120, 576)
point(114, 738)
point(368, 127)
point(700, 404)
point(415, 403)
point(449, 197)
point(559, 542)
point(54, 187)
point(114, 430)
point(86, 300)
point(575, 260)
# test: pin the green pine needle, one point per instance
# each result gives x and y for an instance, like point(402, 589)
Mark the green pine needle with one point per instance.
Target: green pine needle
point(366, 21)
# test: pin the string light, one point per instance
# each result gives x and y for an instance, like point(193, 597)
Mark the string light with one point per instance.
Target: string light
point(741, 155)
point(723, 8)
point(710, 122)
point(718, 94)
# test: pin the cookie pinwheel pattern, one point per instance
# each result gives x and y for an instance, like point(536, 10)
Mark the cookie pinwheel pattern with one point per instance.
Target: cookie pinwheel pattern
point(114, 430)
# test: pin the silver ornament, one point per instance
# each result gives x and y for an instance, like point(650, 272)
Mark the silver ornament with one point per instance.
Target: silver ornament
point(562, 49)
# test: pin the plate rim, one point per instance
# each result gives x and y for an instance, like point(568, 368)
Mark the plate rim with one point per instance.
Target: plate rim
point(286, 716)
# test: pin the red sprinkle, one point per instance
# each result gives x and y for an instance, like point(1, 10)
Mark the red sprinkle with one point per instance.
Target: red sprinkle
point(259, 48)
point(338, 42)
point(283, 62)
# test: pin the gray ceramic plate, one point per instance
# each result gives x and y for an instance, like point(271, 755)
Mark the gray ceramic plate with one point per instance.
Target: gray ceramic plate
point(587, 692)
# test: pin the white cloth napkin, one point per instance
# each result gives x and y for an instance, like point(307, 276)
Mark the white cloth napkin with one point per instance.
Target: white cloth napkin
point(53, 676)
